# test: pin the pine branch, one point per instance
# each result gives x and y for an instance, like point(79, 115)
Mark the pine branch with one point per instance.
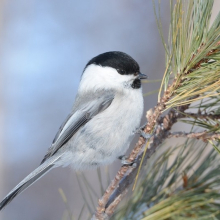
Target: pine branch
point(193, 55)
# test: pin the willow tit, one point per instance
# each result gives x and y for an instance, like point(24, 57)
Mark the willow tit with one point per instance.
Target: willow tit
point(107, 109)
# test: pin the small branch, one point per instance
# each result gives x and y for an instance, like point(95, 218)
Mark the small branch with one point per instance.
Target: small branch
point(204, 136)
point(200, 116)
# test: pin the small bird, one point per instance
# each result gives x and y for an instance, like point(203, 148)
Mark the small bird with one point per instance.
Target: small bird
point(107, 110)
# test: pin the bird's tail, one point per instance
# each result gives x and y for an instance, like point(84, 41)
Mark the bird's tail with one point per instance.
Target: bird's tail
point(29, 180)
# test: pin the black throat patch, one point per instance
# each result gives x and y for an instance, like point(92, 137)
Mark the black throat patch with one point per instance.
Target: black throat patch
point(136, 84)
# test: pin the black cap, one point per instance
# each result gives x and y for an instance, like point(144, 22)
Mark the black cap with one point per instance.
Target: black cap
point(122, 62)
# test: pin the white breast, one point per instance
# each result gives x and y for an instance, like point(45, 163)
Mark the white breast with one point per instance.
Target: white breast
point(108, 135)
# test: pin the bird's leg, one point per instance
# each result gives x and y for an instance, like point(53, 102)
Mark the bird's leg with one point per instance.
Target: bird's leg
point(125, 162)
point(123, 158)
point(143, 134)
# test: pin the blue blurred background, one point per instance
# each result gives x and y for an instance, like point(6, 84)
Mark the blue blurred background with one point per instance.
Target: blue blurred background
point(44, 48)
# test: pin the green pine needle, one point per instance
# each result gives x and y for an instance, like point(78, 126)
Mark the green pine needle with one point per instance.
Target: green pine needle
point(184, 188)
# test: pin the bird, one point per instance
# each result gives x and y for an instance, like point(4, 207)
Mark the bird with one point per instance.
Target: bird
point(107, 110)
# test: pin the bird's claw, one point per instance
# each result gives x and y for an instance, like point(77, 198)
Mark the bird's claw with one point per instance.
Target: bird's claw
point(124, 161)
point(144, 134)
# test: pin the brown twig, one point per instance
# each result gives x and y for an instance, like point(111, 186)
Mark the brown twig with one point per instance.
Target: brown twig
point(200, 116)
point(204, 136)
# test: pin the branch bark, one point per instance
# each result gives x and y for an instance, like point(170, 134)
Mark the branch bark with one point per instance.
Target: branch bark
point(200, 116)
point(204, 135)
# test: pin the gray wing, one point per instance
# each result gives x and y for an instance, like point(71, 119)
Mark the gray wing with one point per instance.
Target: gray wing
point(85, 108)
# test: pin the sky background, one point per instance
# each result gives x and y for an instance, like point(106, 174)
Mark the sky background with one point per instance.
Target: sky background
point(44, 46)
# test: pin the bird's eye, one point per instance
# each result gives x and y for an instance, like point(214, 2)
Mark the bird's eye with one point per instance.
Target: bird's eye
point(120, 71)
point(136, 73)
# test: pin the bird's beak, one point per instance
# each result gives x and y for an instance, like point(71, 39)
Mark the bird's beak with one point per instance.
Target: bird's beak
point(142, 76)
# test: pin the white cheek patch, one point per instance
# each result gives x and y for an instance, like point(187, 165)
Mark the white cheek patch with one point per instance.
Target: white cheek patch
point(98, 77)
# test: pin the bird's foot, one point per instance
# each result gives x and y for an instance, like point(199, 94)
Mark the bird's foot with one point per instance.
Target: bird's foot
point(125, 162)
point(144, 134)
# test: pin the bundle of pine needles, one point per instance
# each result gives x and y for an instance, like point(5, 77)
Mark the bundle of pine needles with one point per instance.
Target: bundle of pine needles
point(177, 184)
point(192, 53)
